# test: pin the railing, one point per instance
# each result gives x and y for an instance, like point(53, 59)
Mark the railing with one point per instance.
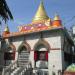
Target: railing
point(7, 70)
point(13, 69)
point(38, 71)
point(26, 70)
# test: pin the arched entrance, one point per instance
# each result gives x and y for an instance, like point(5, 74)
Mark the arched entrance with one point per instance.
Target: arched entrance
point(23, 55)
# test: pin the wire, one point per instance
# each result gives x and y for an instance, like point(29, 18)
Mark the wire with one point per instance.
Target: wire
point(70, 20)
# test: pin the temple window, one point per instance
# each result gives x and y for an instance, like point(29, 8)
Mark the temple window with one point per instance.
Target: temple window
point(9, 55)
point(41, 57)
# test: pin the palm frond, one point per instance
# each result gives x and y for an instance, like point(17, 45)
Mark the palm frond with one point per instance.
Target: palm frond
point(4, 10)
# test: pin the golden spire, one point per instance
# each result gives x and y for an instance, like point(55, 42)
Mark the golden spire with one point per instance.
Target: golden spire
point(56, 17)
point(6, 29)
point(57, 21)
point(41, 13)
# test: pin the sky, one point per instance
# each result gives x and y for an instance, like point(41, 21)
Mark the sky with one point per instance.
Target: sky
point(24, 10)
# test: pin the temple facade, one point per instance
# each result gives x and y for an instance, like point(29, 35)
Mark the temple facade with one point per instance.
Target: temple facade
point(44, 45)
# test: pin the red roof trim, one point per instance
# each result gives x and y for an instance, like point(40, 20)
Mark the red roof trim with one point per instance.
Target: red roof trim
point(46, 28)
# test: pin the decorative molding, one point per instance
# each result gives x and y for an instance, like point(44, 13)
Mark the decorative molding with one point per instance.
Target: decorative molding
point(43, 42)
point(11, 46)
point(55, 48)
point(51, 49)
point(25, 44)
point(32, 30)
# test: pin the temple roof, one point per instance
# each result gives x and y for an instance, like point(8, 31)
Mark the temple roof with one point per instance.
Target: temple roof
point(40, 14)
point(40, 22)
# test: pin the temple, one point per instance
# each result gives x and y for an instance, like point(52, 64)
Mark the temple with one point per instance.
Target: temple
point(43, 47)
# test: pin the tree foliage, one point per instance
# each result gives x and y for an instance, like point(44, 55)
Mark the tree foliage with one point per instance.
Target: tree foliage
point(5, 12)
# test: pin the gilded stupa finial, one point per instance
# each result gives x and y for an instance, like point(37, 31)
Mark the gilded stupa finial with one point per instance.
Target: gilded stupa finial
point(41, 13)
point(56, 17)
point(6, 28)
point(57, 21)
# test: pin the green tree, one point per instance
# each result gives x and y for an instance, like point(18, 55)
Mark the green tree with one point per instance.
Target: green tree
point(5, 13)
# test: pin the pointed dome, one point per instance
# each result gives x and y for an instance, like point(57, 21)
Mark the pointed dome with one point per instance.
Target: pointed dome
point(56, 17)
point(6, 30)
point(56, 22)
point(40, 14)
